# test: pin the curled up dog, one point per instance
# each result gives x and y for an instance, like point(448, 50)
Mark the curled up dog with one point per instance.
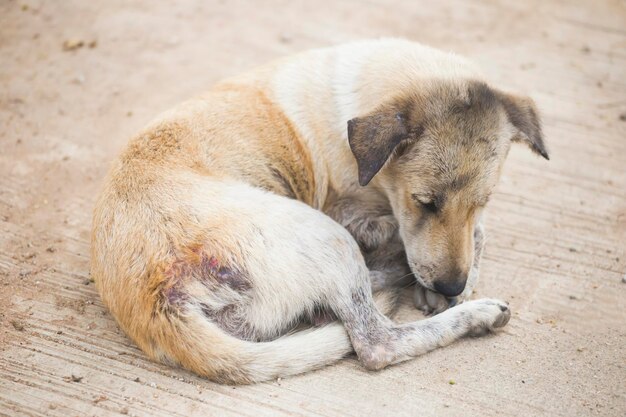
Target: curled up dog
point(301, 192)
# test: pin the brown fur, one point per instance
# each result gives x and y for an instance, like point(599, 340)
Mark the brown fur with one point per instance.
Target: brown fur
point(279, 164)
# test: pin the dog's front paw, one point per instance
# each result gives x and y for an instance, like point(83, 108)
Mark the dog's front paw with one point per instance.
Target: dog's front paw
point(485, 315)
point(430, 302)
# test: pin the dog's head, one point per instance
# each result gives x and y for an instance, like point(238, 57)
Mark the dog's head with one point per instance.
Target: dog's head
point(438, 154)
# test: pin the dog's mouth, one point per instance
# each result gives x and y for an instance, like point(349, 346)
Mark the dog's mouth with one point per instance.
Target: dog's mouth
point(419, 278)
point(421, 282)
point(452, 301)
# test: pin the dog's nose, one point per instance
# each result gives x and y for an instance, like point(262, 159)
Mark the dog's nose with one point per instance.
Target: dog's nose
point(451, 287)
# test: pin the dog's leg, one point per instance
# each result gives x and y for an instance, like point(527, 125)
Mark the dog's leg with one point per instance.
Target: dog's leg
point(379, 342)
point(389, 273)
point(472, 279)
point(225, 304)
point(303, 261)
point(388, 266)
point(431, 303)
point(368, 218)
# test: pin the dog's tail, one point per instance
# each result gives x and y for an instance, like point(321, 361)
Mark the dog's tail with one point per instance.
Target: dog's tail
point(203, 348)
point(296, 353)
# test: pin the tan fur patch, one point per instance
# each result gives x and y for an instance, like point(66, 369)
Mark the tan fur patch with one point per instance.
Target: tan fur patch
point(269, 144)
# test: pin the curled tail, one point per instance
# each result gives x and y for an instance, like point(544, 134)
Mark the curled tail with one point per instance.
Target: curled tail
point(201, 347)
point(297, 353)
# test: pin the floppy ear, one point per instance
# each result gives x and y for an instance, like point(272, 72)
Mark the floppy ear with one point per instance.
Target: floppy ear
point(373, 138)
point(523, 115)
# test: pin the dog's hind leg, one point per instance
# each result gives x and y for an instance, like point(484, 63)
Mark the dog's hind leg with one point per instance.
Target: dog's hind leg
point(298, 259)
point(241, 267)
point(376, 339)
point(379, 342)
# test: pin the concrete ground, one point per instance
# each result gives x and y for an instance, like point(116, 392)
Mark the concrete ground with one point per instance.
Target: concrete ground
point(77, 78)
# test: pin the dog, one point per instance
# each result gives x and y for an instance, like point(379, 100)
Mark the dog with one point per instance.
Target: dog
point(298, 193)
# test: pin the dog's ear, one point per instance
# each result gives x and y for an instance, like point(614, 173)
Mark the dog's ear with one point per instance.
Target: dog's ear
point(373, 138)
point(522, 114)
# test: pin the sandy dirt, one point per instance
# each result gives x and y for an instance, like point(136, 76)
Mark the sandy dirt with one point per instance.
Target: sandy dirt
point(77, 78)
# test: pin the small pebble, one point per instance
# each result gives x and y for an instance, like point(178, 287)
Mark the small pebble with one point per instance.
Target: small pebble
point(73, 378)
point(17, 325)
point(100, 399)
point(285, 38)
point(72, 44)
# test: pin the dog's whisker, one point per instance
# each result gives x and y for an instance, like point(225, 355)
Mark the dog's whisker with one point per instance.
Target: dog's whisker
point(394, 279)
point(407, 285)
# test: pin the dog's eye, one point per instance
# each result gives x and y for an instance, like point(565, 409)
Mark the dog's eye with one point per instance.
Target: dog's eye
point(426, 203)
point(431, 206)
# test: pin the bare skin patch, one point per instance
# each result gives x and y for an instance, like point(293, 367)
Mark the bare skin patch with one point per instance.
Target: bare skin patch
point(213, 271)
point(229, 319)
point(218, 276)
point(197, 266)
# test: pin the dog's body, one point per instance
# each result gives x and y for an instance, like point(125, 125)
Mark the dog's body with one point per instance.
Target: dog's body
point(210, 239)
